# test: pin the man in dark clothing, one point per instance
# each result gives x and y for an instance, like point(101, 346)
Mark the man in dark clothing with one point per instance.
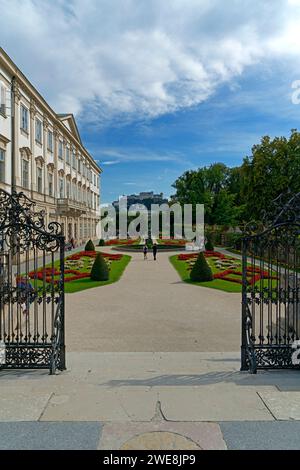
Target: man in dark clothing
point(154, 249)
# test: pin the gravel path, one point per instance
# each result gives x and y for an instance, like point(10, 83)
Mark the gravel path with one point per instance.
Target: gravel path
point(151, 309)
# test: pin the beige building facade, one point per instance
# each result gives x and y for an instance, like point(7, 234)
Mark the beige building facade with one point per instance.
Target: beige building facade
point(52, 166)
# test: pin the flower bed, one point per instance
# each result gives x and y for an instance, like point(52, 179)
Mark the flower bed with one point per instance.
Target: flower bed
point(119, 242)
point(93, 254)
point(75, 264)
point(207, 254)
point(228, 268)
point(49, 273)
point(175, 242)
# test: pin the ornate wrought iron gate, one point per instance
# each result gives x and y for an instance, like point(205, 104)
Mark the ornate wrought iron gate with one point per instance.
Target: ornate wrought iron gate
point(31, 287)
point(271, 288)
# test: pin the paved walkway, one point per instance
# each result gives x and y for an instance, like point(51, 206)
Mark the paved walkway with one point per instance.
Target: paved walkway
point(150, 366)
point(150, 400)
point(151, 309)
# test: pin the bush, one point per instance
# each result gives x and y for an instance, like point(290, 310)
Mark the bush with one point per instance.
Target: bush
point(201, 272)
point(100, 271)
point(101, 242)
point(209, 245)
point(89, 246)
point(234, 240)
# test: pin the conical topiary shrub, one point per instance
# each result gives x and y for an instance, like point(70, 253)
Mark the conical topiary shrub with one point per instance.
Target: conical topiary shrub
point(90, 246)
point(101, 242)
point(209, 245)
point(100, 271)
point(201, 272)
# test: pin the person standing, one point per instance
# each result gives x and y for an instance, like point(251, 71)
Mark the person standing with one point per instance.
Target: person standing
point(145, 250)
point(154, 249)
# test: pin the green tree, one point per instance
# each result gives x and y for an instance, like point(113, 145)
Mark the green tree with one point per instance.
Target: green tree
point(100, 271)
point(201, 272)
point(272, 169)
point(89, 246)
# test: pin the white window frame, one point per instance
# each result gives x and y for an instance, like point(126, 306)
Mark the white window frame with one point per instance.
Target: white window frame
point(60, 150)
point(38, 131)
point(50, 141)
point(50, 186)
point(24, 118)
point(2, 165)
point(25, 162)
point(39, 180)
point(61, 188)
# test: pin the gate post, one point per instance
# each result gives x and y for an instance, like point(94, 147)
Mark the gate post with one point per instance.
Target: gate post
point(244, 365)
point(62, 270)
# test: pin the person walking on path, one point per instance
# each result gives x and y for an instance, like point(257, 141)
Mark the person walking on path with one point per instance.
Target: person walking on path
point(145, 250)
point(154, 249)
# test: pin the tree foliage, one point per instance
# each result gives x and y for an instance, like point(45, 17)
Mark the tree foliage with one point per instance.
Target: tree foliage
point(100, 271)
point(201, 272)
point(233, 196)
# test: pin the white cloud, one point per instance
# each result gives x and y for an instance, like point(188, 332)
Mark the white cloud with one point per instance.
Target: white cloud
point(135, 59)
point(116, 155)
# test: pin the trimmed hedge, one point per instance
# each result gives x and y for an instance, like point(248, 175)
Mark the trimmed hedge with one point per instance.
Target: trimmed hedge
point(201, 272)
point(89, 246)
point(209, 245)
point(100, 271)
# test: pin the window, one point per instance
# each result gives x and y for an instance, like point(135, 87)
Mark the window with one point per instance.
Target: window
point(38, 131)
point(2, 165)
point(68, 155)
point(83, 170)
point(61, 188)
point(60, 149)
point(50, 184)
point(68, 189)
point(79, 166)
point(25, 174)
point(74, 160)
point(39, 180)
point(74, 191)
point(2, 100)
point(24, 118)
point(50, 141)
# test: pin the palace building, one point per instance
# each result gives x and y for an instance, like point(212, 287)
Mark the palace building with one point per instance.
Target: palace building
point(52, 166)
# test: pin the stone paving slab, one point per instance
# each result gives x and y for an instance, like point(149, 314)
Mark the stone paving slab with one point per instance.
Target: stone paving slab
point(283, 405)
point(163, 435)
point(93, 403)
point(126, 387)
point(18, 406)
point(276, 435)
point(49, 436)
point(213, 403)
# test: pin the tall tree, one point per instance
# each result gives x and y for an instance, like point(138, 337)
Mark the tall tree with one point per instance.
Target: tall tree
point(272, 169)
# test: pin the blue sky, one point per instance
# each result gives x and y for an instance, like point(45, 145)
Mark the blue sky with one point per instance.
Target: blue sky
point(158, 88)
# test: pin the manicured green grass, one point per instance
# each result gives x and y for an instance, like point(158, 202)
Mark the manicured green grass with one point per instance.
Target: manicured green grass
point(220, 284)
point(116, 270)
point(182, 269)
point(117, 267)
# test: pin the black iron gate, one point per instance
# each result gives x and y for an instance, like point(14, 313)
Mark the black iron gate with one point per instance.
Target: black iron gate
point(271, 288)
point(31, 287)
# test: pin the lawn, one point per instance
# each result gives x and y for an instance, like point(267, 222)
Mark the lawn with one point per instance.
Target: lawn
point(218, 267)
point(81, 265)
